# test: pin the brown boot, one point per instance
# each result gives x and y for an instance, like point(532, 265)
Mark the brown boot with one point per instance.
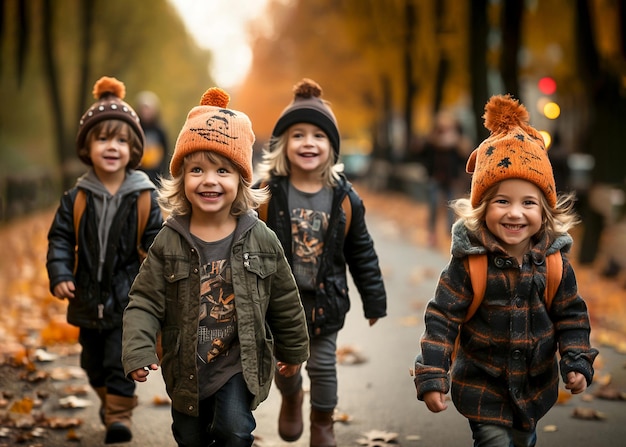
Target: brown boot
point(322, 434)
point(290, 423)
point(119, 410)
point(101, 391)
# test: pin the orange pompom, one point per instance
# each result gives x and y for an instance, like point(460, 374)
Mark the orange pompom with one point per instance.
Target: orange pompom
point(307, 88)
point(215, 97)
point(109, 86)
point(503, 113)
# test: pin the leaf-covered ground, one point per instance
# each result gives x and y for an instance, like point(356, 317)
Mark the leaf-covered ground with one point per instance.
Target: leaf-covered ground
point(33, 328)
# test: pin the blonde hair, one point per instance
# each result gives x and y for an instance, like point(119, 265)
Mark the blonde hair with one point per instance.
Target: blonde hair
point(556, 220)
point(173, 200)
point(110, 128)
point(276, 163)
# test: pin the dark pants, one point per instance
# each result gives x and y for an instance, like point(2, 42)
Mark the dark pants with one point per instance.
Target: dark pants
point(488, 435)
point(101, 358)
point(225, 419)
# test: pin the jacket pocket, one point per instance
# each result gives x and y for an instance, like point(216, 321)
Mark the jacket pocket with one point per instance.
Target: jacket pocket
point(261, 264)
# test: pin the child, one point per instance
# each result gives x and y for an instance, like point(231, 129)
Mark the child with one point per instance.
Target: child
point(97, 276)
point(216, 285)
point(320, 221)
point(505, 374)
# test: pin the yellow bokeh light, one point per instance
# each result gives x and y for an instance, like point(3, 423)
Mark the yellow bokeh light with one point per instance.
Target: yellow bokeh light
point(547, 138)
point(552, 110)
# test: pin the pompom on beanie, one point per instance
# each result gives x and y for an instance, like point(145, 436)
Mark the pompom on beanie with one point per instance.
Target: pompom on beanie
point(212, 127)
point(514, 150)
point(109, 93)
point(309, 107)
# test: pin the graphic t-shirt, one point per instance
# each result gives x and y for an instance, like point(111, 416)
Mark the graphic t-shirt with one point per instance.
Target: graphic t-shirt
point(309, 221)
point(218, 343)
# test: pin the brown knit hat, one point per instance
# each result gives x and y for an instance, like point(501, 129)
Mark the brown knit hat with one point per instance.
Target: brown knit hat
point(212, 127)
point(109, 93)
point(513, 150)
point(308, 107)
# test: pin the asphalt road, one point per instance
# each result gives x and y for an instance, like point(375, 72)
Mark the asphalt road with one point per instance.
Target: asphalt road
point(377, 394)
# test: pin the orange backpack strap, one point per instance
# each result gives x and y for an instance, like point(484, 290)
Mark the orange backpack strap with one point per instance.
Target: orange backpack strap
point(347, 208)
point(554, 274)
point(477, 267)
point(262, 209)
point(144, 203)
point(80, 202)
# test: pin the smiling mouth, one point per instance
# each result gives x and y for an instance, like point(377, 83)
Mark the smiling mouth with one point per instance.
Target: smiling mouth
point(210, 194)
point(513, 227)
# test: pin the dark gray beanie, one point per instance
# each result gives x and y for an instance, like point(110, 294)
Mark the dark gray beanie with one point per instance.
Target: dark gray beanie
point(308, 107)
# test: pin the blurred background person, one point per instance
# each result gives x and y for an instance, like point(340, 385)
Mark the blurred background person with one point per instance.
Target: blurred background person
point(155, 159)
point(443, 154)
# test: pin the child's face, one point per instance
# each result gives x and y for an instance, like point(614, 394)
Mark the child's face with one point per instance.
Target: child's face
point(514, 215)
point(308, 148)
point(211, 183)
point(109, 151)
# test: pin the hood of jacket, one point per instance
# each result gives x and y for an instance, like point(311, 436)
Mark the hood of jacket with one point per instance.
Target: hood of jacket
point(106, 204)
point(466, 242)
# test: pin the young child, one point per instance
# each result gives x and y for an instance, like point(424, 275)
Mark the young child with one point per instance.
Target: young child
point(216, 285)
point(505, 373)
point(320, 221)
point(93, 262)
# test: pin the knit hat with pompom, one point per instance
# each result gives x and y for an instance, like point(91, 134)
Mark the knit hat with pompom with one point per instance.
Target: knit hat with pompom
point(308, 107)
point(212, 127)
point(513, 150)
point(109, 93)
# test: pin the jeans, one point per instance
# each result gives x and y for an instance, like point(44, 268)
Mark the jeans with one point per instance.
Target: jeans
point(489, 435)
point(322, 369)
point(225, 419)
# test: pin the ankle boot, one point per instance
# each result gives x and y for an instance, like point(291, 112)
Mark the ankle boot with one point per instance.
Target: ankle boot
point(290, 423)
point(119, 410)
point(322, 434)
point(101, 391)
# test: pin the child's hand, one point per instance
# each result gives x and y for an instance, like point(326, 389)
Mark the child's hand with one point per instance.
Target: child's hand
point(64, 289)
point(576, 382)
point(286, 369)
point(373, 321)
point(141, 374)
point(435, 401)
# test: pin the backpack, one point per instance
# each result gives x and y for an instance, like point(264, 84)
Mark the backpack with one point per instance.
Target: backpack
point(144, 202)
point(345, 204)
point(477, 267)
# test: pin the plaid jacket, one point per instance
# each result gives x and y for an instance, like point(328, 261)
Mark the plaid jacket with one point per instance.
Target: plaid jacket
point(506, 370)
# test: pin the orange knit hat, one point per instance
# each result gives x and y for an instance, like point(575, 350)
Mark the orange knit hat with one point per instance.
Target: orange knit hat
point(513, 150)
point(212, 127)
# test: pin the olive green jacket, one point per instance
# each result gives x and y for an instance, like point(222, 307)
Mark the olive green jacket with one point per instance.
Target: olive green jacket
point(165, 297)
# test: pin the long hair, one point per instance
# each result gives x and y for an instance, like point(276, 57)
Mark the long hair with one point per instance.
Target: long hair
point(172, 198)
point(556, 220)
point(276, 163)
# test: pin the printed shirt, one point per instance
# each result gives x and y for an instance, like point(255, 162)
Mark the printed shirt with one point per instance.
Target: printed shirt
point(310, 213)
point(218, 344)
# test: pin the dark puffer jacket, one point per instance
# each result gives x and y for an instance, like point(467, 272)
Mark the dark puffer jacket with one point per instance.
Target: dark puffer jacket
point(98, 304)
point(354, 250)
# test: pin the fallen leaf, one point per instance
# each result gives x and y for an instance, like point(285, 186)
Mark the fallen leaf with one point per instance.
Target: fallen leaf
point(378, 438)
point(588, 414)
point(350, 355)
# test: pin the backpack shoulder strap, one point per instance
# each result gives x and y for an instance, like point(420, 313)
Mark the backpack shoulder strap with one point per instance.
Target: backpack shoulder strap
point(554, 274)
point(144, 203)
point(262, 209)
point(80, 202)
point(477, 267)
point(347, 208)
